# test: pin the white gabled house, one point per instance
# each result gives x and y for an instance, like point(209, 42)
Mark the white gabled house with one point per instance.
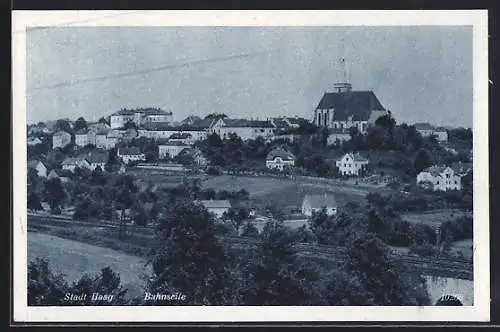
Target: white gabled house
point(442, 178)
point(315, 203)
point(279, 158)
point(171, 148)
point(128, 155)
point(351, 164)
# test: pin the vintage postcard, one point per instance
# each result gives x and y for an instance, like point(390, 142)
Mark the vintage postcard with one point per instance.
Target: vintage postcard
point(250, 166)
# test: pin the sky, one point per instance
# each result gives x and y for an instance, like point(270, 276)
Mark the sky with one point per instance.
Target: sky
point(421, 74)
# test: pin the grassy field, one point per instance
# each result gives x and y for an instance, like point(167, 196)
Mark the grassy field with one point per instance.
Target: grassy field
point(74, 259)
point(282, 192)
point(435, 217)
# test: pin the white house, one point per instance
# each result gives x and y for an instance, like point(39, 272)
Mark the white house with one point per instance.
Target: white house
point(443, 178)
point(217, 207)
point(315, 203)
point(81, 138)
point(60, 139)
point(128, 155)
point(171, 148)
point(38, 166)
point(279, 158)
point(70, 163)
point(245, 129)
point(351, 164)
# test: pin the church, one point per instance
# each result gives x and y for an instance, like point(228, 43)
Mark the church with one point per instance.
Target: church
point(343, 108)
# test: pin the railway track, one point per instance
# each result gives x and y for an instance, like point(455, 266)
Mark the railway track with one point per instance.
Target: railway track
point(444, 267)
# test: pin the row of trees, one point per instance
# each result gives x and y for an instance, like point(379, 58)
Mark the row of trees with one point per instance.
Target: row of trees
point(188, 258)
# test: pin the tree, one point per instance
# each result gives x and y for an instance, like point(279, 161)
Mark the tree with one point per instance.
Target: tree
point(250, 230)
point(188, 257)
point(44, 287)
point(80, 124)
point(103, 121)
point(236, 216)
point(34, 202)
point(423, 159)
point(54, 193)
point(323, 227)
point(374, 278)
point(130, 124)
point(63, 125)
point(107, 282)
point(277, 275)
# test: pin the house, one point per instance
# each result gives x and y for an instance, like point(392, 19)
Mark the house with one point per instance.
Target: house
point(315, 203)
point(426, 130)
point(129, 155)
point(60, 139)
point(97, 158)
point(217, 207)
point(63, 175)
point(344, 108)
point(101, 138)
point(351, 164)
point(70, 163)
point(171, 148)
point(443, 178)
point(157, 130)
point(112, 138)
point(34, 141)
point(337, 136)
point(81, 138)
point(245, 129)
point(139, 117)
point(181, 137)
point(38, 166)
point(278, 158)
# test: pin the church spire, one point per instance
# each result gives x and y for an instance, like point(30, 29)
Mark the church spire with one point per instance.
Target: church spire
point(342, 84)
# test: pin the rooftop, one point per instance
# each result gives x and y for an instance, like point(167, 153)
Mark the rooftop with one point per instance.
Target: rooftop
point(321, 201)
point(358, 104)
point(240, 123)
point(131, 151)
point(280, 152)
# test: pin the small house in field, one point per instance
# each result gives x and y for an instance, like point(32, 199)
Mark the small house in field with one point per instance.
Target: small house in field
point(351, 164)
point(38, 166)
point(279, 158)
point(315, 203)
point(217, 207)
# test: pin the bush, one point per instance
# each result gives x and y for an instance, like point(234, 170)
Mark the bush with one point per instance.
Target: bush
point(425, 250)
point(213, 171)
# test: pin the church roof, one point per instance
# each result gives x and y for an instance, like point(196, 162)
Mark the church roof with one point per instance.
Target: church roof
point(358, 104)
